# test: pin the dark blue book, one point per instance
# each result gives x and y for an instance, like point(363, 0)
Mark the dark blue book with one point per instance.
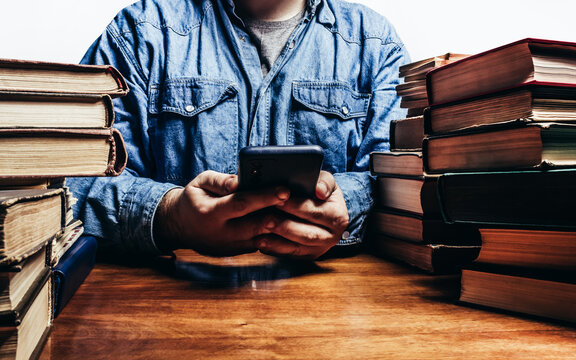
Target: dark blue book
point(72, 269)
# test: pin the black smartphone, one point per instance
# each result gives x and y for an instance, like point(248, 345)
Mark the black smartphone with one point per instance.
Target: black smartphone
point(295, 166)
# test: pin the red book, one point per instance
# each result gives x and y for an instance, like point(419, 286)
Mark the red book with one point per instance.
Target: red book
point(527, 61)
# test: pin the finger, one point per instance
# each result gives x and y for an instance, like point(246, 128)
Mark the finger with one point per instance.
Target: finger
point(326, 214)
point(243, 203)
point(216, 183)
point(325, 185)
point(299, 232)
point(277, 246)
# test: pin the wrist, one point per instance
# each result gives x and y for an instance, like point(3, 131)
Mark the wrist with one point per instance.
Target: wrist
point(166, 225)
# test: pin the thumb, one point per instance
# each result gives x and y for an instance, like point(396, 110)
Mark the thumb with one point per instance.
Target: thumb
point(216, 183)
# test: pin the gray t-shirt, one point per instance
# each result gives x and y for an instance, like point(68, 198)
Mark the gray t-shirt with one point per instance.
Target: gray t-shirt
point(271, 37)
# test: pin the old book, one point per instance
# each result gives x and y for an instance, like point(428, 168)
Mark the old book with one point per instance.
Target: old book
point(396, 163)
point(61, 243)
point(55, 110)
point(529, 248)
point(407, 134)
point(521, 62)
point(524, 198)
point(17, 280)
point(29, 219)
point(420, 229)
point(416, 195)
point(530, 146)
point(530, 103)
point(421, 67)
point(51, 153)
point(24, 331)
point(523, 291)
point(433, 258)
point(38, 76)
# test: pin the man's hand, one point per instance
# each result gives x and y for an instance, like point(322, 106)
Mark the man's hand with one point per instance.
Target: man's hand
point(307, 228)
point(209, 216)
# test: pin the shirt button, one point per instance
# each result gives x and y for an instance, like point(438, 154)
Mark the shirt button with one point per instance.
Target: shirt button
point(345, 110)
point(189, 108)
point(292, 44)
point(242, 38)
point(345, 235)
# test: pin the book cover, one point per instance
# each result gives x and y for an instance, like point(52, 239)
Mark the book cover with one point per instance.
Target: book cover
point(514, 198)
point(433, 258)
point(527, 103)
point(29, 219)
point(396, 163)
point(522, 62)
point(52, 153)
point(55, 110)
point(525, 146)
point(419, 229)
point(407, 134)
point(549, 295)
point(41, 76)
point(72, 269)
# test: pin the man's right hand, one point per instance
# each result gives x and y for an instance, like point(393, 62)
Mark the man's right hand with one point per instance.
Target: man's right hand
point(209, 216)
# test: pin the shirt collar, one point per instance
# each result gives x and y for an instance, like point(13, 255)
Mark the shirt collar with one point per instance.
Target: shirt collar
point(325, 14)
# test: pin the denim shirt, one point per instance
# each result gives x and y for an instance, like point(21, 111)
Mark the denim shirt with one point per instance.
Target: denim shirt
point(197, 96)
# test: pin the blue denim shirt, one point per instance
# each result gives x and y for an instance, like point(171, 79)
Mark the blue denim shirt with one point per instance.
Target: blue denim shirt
point(197, 96)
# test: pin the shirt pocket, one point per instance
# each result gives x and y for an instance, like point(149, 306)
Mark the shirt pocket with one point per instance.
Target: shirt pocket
point(330, 114)
point(193, 127)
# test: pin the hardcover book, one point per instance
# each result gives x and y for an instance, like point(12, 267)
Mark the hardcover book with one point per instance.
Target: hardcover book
point(530, 146)
point(407, 134)
point(419, 229)
point(414, 195)
point(24, 331)
point(51, 153)
point(29, 219)
point(55, 110)
point(527, 61)
point(542, 294)
point(396, 163)
point(531, 103)
point(433, 258)
point(529, 248)
point(522, 198)
point(40, 76)
point(72, 269)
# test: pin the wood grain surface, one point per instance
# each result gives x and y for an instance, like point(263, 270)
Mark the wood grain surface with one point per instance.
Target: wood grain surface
point(257, 307)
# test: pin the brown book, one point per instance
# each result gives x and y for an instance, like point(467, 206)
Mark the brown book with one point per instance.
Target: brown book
point(55, 110)
point(52, 153)
point(23, 332)
point(39, 76)
point(16, 280)
point(407, 134)
point(396, 163)
point(433, 258)
point(414, 195)
point(421, 67)
point(522, 292)
point(530, 248)
point(531, 103)
point(410, 227)
point(521, 198)
point(533, 146)
point(522, 62)
point(29, 219)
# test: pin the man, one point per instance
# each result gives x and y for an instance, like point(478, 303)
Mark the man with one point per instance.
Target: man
point(208, 77)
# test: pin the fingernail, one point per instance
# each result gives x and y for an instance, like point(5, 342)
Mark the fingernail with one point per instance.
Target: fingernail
point(282, 193)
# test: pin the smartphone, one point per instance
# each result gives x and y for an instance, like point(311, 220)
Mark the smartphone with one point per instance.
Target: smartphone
point(295, 166)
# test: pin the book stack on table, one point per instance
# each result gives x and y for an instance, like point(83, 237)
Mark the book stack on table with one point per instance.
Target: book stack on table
point(501, 136)
point(55, 122)
point(406, 223)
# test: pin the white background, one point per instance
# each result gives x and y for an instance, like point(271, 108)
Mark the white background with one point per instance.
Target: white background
point(62, 30)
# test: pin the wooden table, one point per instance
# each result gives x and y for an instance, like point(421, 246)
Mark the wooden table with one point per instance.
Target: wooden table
point(256, 307)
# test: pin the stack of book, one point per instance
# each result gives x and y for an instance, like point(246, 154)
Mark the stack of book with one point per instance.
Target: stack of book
point(406, 223)
point(55, 122)
point(502, 134)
